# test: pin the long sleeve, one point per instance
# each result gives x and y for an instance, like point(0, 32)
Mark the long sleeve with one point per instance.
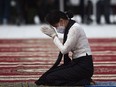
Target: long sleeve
point(70, 42)
point(76, 42)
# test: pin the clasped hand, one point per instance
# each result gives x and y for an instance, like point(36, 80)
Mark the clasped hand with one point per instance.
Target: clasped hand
point(48, 30)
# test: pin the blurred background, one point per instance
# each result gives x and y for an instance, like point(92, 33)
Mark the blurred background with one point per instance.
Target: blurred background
point(18, 12)
point(26, 53)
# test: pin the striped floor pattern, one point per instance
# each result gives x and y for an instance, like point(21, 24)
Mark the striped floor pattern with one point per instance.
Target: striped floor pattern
point(24, 60)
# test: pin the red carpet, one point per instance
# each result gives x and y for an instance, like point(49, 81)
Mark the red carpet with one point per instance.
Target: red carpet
point(26, 59)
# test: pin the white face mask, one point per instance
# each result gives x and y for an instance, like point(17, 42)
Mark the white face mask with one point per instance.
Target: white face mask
point(60, 29)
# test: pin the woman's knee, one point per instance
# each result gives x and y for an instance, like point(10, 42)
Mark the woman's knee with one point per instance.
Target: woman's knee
point(51, 77)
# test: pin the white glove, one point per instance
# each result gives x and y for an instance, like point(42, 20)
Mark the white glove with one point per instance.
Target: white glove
point(48, 30)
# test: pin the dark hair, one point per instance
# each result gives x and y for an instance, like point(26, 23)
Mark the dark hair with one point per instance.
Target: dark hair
point(54, 16)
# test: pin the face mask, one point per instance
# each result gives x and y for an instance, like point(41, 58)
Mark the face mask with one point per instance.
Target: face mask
point(61, 29)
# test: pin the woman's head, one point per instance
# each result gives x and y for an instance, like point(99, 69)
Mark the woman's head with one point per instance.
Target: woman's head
point(55, 17)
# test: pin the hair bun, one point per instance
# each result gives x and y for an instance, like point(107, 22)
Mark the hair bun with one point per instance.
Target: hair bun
point(69, 14)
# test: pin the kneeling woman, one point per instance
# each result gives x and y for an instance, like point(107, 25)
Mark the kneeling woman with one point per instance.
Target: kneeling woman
point(78, 70)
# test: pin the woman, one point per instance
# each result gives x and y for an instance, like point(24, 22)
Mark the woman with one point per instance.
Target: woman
point(78, 70)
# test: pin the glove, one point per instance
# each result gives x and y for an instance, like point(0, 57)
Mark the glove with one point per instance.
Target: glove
point(48, 30)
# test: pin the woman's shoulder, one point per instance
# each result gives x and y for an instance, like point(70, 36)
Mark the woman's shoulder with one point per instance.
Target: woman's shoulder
point(76, 26)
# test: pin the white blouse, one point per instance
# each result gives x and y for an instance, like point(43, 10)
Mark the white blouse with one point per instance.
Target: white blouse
point(76, 42)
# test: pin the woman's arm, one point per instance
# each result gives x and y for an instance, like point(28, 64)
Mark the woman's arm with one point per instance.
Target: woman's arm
point(70, 42)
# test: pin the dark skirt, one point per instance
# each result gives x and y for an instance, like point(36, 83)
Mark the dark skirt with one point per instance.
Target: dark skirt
point(78, 72)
